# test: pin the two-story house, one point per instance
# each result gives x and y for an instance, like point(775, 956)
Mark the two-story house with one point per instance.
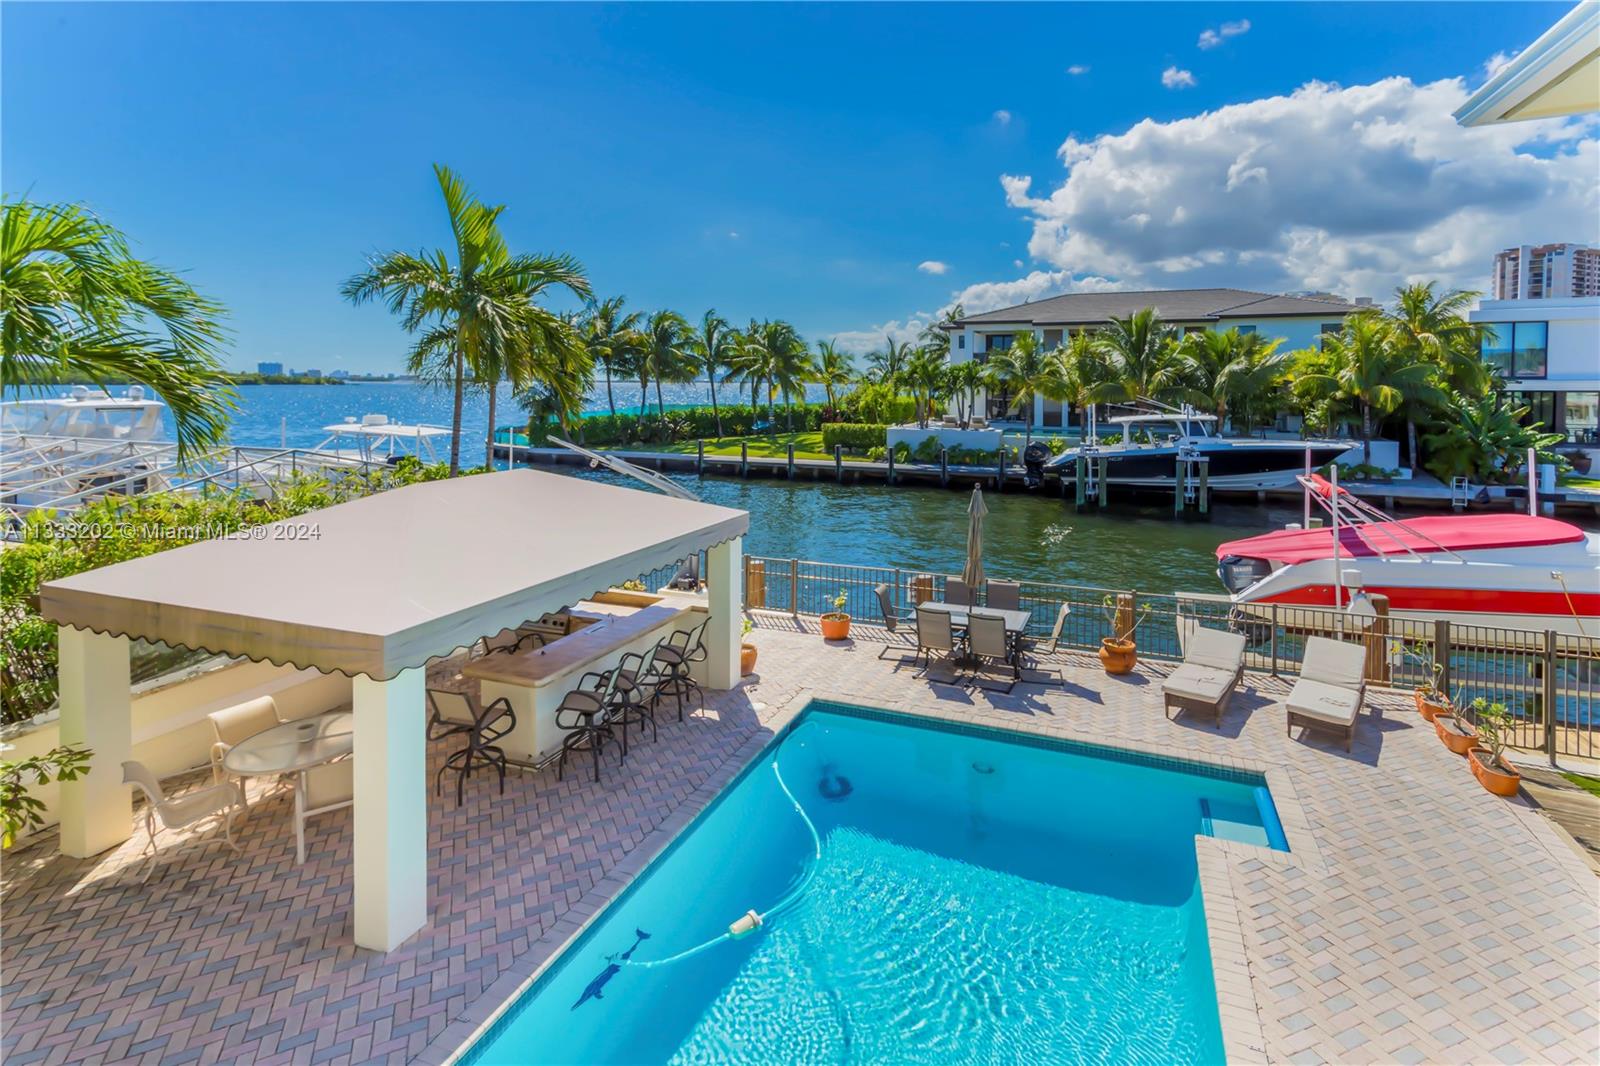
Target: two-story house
point(1548, 352)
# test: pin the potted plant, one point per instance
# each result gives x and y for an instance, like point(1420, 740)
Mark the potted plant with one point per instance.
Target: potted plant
point(836, 623)
point(1457, 734)
point(1119, 654)
point(747, 651)
point(1488, 758)
point(1431, 698)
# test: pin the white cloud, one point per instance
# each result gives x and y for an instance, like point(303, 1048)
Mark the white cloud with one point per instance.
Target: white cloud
point(1212, 38)
point(933, 266)
point(1017, 263)
point(1173, 78)
point(1496, 63)
point(1003, 117)
point(862, 341)
point(1077, 69)
point(733, 234)
point(1347, 189)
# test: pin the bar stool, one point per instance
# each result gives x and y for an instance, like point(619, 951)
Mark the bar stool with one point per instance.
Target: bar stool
point(638, 687)
point(586, 715)
point(676, 655)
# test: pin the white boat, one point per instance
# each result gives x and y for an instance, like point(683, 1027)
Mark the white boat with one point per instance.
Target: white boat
point(81, 445)
point(85, 414)
point(1516, 571)
point(373, 438)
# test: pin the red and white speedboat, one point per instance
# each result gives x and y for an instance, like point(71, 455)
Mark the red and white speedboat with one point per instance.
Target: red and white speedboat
point(1512, 570)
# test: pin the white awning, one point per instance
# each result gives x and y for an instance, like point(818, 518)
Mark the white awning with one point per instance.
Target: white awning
point(1559, 74)
point(385, 583)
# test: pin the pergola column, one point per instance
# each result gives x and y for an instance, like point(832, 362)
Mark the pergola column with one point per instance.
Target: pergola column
point(724, 564)
point(391, 810)
point(96, 713)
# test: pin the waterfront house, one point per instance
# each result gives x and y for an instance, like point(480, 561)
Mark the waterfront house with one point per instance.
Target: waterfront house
point(1548, 351)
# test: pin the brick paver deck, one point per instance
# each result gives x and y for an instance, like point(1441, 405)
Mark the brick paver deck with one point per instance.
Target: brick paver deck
point(1423, 920)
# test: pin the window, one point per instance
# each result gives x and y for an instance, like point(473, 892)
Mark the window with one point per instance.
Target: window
point(1247, 330)
point(1326, 330)
point(1496, 349)
point(961, 342)
point(1583, 417)
point(1528, 355)
point(999, 342)
point(1541, 407)
point(1187, 330)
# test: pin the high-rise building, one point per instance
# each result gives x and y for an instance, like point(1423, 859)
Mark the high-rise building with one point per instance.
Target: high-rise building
point(1547, 271)
point(269, 368)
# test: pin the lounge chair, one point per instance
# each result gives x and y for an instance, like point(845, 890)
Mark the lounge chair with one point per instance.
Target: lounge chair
point(892, 618)
point(459, 714)
point(987, 640)
point(329, 787)
point(1330, 690)
point(934, 634)
point(237, 723)
point(220, 801)
point(1003, 595)
point(958, 592)
point(1213, 666)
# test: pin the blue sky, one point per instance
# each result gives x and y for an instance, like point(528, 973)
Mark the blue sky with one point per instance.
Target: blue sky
point(796, 162)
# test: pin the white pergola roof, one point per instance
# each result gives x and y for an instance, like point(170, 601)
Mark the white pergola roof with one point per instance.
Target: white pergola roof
point(1559, 74)
point(385, 583)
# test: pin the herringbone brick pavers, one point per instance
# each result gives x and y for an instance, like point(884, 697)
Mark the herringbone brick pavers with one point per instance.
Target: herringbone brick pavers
point(1430, 921)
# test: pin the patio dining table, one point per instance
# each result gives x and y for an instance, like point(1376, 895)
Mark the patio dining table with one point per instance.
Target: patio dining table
point(293, 747)
point(1016, 621)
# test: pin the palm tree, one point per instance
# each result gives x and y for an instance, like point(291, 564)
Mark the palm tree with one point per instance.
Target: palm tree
point(1080, 368)
point(607, 332)
point(559, 377)
point(964, 381)
point(792, 365)
point(936, 336)
point(667, 353)
point(1024, 371)
point(1227, 371)
point(1434, 326)
point(886, 366)
point(1139, 351)
point(1367, 366)
point(477, 313)
point(75, 302)
point(751, 364)
point(924, 372)
point(835, 370)
point(713, 344)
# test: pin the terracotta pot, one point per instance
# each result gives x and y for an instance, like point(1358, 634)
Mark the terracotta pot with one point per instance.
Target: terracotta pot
point(1449, 730)
point(1500, 780)
point(1430, 706)
point(747, 659)
point(836, 626)
point(1118, 656)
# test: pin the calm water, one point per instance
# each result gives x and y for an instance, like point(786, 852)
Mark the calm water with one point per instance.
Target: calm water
point(927, 896)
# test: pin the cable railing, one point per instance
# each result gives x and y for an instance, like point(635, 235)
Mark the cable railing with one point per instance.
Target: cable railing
point(1549, 681)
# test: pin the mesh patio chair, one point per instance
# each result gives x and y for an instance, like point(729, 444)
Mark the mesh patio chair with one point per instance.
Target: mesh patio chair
point(676, 657)
point(585, 715)
point(1003, 595)
point(459, 714)
point(958, 592)
point(221, 801)
point(892, 619)
point(987, 641)
point(238, 723)
point(329, 787)
point(1055, 630)
point(640, 678)
point(934, 634)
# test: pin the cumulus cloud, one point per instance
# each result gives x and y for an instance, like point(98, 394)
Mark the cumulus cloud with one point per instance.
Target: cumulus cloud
point(1212, 38)
point(1173, 78)
point(1003, 117)
point(1347, 189)
point(1077, 69)
point(862, 341)
point(933, 266)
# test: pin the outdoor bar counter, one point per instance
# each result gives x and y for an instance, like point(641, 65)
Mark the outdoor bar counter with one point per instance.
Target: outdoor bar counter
point(535, 680)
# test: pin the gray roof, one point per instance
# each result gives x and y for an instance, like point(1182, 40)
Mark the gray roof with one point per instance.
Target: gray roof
point(1173, 305)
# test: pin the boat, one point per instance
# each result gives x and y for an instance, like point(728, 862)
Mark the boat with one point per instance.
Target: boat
point(1517, 571)
point(373, 438)
point(84, 444)
point(1154, 443)
point(84, 414)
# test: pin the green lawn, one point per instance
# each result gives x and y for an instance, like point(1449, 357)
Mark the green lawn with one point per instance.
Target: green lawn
point(1574, 481)
point(1590, 785)
point(806, 446)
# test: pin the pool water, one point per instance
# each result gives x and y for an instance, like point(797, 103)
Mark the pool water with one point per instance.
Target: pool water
point(966, 895)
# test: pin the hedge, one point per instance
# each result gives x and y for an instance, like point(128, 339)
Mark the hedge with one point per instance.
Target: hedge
point(856, 436)
point(689, 423)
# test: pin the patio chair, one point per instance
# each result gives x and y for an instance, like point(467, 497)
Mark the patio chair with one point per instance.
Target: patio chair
point(979, 422)
point(1003, 595)
point(505, 640)
point(237, 723)
point(639, 684)
point(892, 618)
point(585, 715)
point(329, 787)
point(1213, 666)
point(220, 801)
point(987, 640)
point(1330, 690)
point(1055, 630)
point(459, 714)
point(934, 634)
point(676, 657)
point(958, 592)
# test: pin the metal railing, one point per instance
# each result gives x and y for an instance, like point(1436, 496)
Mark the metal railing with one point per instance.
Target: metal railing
point(1550, 682)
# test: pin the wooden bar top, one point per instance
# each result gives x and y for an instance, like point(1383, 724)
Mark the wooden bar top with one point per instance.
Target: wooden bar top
point(572, 654)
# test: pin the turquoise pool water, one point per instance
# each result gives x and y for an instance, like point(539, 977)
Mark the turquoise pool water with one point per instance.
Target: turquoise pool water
point(931, 894)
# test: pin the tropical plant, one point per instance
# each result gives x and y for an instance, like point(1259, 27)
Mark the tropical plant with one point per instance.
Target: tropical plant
point(478, 313)
point(1024, 371)
point(963, 381)
point(1229, 372)
point(1480, 438)
point(1081, 367)
point(834, 371)
point(74, 301)
point(612, 338)
point(713, 344)
point(772, 353)
point(667, 352)
point(936, 334)
point(1363, 366)
point(1140, 359)
point(1494, 723)
point(924, 375)
point(21, 811)
point(1433, 327)
point(886, 366)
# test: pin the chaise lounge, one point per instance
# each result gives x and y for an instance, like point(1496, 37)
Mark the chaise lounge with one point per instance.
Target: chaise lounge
point(1213, 666)
point(1331, 688)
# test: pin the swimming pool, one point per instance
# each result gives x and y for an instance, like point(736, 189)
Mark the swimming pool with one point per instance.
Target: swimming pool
point(929, 892)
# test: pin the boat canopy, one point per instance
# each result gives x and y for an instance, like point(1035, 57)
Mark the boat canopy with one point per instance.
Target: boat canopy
point(1430, 533)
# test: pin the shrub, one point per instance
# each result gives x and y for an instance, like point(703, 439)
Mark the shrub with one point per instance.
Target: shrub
point(690, 423)
point(854, 436)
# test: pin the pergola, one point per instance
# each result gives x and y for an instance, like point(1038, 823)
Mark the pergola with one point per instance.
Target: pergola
point(373, 589)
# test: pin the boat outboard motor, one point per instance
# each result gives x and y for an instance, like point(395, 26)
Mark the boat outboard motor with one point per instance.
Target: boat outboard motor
point(1033, 459)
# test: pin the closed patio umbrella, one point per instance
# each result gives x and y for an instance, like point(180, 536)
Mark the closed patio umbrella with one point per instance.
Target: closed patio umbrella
point(972, 573)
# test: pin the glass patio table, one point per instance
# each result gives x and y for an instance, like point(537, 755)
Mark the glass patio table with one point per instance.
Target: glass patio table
point(293, 747)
